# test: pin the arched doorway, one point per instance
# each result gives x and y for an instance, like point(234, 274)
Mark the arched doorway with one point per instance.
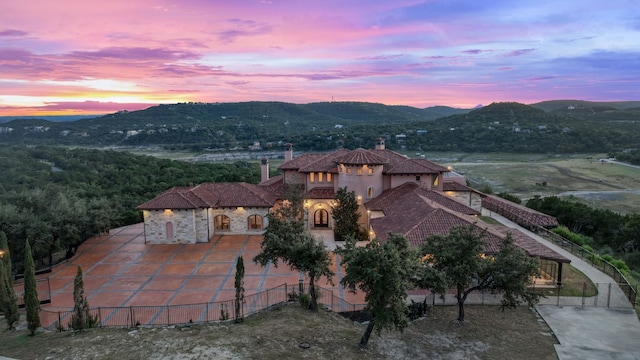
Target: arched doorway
point(321, 219)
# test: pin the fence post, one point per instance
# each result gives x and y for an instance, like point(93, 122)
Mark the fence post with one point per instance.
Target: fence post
point(168, 318)
point(267, 297)
point(59, 321)
point(584, 292)
point(100, 315)
point(133, 324)
point(207, 312)
point(609, 296)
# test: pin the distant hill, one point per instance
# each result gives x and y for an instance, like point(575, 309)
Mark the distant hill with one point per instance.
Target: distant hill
point(508, 127)
point(55, 118)
point(601, 111)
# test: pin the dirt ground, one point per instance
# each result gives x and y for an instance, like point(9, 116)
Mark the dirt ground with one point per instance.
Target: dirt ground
point(488, 333)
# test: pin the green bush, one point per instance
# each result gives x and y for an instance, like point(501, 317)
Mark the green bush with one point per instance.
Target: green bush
point(305, 301)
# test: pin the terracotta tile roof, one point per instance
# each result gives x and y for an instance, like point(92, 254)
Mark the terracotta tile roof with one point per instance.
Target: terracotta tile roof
point(416, 166)
point(437, 222)
point(519, 214)
point(446, 201)
point(212, 195)
point(393, 158)
point(275, 186)
point(300, 161)
point(361, 157)
point(325, 163)
point(456, 186)
point(321, 193)
point(388, 196)
point(173, 198)
point(531, 246)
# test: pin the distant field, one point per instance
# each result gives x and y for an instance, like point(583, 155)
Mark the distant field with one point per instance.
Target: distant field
point(611, 186)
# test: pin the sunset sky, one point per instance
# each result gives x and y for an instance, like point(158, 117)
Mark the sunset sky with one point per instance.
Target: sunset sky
point(91, 57)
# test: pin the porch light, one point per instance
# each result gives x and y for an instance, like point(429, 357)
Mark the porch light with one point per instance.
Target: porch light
point(1, 254)
point(240, 209)
point(167, 211)
point(359, 198)
point(307, 204)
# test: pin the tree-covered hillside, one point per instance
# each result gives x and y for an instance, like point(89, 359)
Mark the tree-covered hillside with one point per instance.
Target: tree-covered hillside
point(505, 127)
point(57, 197)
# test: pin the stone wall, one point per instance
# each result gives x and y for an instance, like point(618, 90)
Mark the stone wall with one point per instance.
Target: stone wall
point(183, 223)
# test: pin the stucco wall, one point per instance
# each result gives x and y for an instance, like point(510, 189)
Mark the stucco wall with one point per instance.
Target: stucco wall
point(360, 183)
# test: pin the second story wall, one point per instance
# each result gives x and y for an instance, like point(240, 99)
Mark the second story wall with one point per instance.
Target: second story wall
point(366, 182)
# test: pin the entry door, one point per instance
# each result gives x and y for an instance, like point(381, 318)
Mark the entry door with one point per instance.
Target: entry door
point(321, 218)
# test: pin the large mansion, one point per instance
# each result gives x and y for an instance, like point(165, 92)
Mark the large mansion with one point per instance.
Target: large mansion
point(413, 197)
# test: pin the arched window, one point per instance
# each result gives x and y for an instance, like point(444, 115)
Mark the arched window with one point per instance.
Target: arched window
point(370, 192)
point(222, 222)
point(321, 218)
point(168, 230)
point(255, 222)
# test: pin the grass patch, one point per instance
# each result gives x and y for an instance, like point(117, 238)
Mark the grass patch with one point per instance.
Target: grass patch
point(488, 333)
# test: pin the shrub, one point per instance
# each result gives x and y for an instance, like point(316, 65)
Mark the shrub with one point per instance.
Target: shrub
point(305, 301)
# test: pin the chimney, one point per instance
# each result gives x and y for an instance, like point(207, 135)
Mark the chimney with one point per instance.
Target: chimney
point(264, 169)
point(288, 152)
point(379, 143)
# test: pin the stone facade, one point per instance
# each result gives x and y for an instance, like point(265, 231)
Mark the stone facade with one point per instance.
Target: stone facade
point(191, 226)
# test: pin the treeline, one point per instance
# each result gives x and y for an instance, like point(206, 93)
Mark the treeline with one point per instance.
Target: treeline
point(604, 230)
point(57, 197)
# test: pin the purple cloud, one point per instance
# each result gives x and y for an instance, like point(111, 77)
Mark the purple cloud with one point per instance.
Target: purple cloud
point(12, 33)
point(475, 51)
point(136, 53)
point(520, 52)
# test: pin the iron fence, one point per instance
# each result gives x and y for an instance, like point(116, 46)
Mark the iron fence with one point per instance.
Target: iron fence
point(165, 315)
point(42, 286)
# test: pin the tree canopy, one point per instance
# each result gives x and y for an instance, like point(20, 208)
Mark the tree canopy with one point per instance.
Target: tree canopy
point(384, 272)
point(460, 257)
point(345, 215)
point(287, 240)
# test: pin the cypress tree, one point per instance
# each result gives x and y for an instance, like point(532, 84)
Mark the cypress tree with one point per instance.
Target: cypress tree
point(31, 300)
point(6, 257)
point(81, 318)
point(239, 284)
point(8, 300)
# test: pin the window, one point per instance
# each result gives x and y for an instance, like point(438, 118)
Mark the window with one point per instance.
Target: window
point(370, 171)
point(222, 222)
point(319, 177)
point(169, 231)
point(328, 177)
point(417, 177)
point(348, 170)
point(435, 180)
point(255, 222)
point(359, 171)
point(370, 192)
point(312, 177)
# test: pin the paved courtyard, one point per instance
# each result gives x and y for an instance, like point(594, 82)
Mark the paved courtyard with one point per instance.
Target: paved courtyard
point(119, 269)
